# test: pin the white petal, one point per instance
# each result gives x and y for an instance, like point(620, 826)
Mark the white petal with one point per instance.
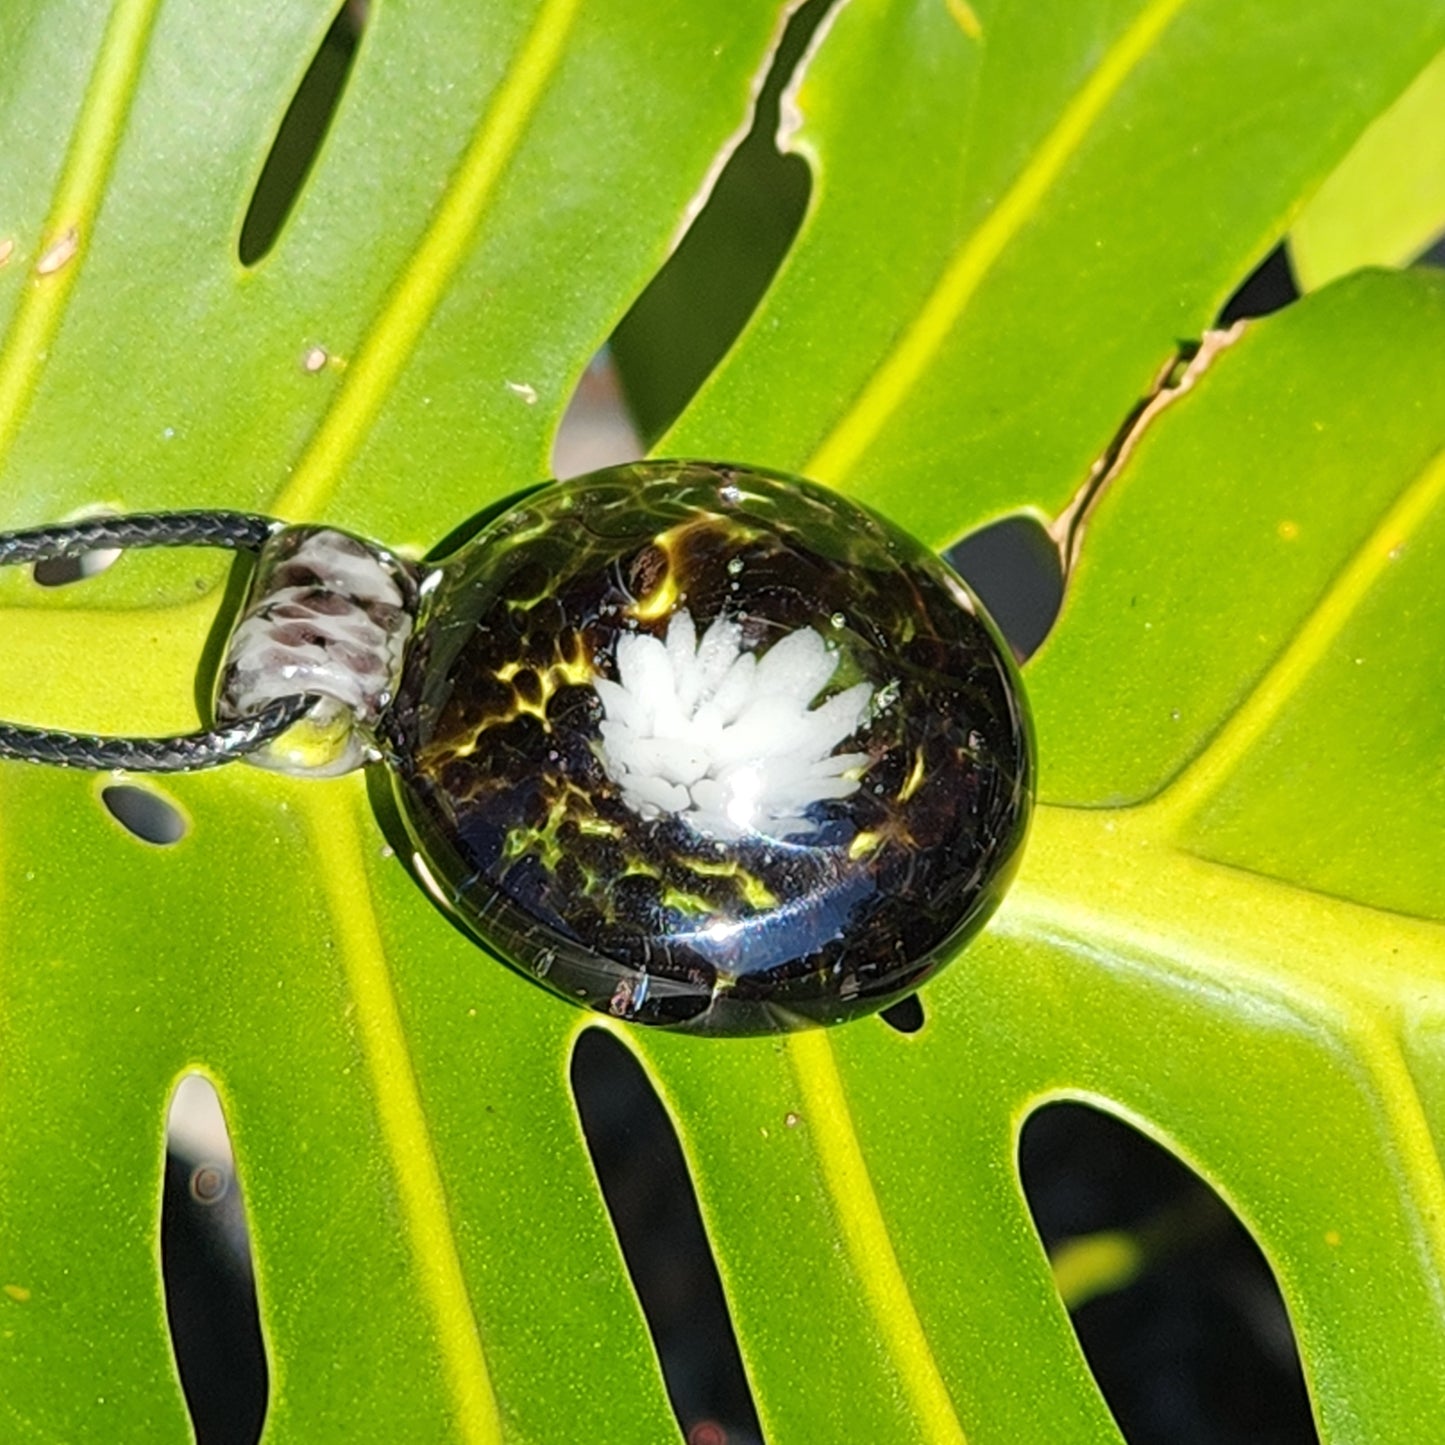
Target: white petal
point(674, 759)
point(840, 715)
point(709, 795)
point(716, 653)
point(735, 689)
point(646, 672)
point(769, 727)
point(640, 791)
point(618, 704)
point(682, 657)
point(836, 764)
point(726, 739)
point(796, 666)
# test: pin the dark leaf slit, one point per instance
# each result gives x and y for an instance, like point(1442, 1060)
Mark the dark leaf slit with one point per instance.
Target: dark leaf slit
point(1174, 1304)
point(906, 1016)
point(1013, 567)
point(650, 1198)
point(206, 1266)
point(65, 571)
point(144, 814)
point(302, 131)
point(1271, 286)
point(696, 306)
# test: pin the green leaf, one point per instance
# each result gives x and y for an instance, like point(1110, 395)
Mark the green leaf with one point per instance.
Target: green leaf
point(459, 250)
point(1210, 934)
point(1256, 867)
point(1029, 225)
point(1166, 614)
point(1016, 216)
point(1385, 203)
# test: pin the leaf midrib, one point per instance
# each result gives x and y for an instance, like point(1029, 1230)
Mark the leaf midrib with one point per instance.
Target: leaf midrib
point(1111, 876)
point(1105, 881)
point(1199, 783)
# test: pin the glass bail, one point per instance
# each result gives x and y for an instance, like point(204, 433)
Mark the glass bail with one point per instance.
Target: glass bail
point(327, 615)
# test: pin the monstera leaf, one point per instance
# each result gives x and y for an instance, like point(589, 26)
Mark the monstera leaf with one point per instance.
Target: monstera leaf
point(1385, 203)
point(1227, 927)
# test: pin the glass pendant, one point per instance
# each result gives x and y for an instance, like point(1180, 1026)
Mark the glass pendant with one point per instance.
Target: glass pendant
point(709, 748)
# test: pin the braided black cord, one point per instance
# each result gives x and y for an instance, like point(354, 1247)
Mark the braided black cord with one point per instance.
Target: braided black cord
point(239, 531)
point(189, 752)
point(186, 753)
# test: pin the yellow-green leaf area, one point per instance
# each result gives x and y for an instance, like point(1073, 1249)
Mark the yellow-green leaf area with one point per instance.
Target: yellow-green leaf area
point(1060, 218)
point(1240, 505)
point(404, 1130)
point(1385, 203)
point(1346, 784)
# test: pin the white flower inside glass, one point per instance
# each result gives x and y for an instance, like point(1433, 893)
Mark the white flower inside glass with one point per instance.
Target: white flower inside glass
point(704, 731)
point(710, 748)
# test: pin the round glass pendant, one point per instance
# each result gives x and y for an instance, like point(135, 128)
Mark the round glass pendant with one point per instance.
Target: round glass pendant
point(710, 748)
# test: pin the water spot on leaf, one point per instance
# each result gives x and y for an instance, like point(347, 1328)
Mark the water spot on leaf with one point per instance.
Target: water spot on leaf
point(144, 813)
point(1013, 566)
point(209, 1184)
point(1175, 1306)
point(301, 133)
point(708, 1432)
point(645, 1185)
point(210, 1288)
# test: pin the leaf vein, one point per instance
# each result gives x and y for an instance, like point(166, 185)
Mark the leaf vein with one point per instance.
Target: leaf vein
point(1202, 778)
point(402, 1115)
point(392, 341)
point(889, 386)
point(78, 193)
point(865, 1232)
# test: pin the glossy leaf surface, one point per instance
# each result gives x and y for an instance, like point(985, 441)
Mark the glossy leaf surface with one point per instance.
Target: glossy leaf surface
point(1385, 203)
point(1214, 932)
point(1074, 192)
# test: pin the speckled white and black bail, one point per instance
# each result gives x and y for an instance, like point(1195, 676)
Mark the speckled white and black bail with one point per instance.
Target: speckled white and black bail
point(327, 616)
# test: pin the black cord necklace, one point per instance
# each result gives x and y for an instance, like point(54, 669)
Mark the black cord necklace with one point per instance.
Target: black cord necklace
point(692, 744)
point(237, 531)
